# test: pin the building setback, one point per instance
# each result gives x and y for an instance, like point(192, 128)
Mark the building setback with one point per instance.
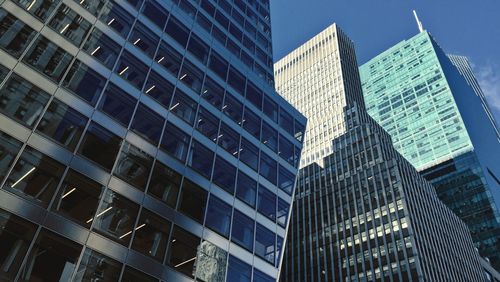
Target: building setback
point(361, 211)
point(142, 140)
point(440, 122)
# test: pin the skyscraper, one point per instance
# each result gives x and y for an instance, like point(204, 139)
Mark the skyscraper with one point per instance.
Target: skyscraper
point(142, 140)
point(361, 211)
point(440, 122)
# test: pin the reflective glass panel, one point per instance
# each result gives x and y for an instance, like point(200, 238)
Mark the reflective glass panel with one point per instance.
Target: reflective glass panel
point(117, 104)
point(148, 124)
point(14, 34)
point(238, 271)
point(132, 70)
point(134, 166)
point(224, 175)
point(97, 267)
point(151, 235)
point(101, 47)
point(159, 88)
point(183, 251)
point(175, 142)
point(117, 18)
point(132, 275)
point(249, 154)
point(48, 58)
point(201, 159)
point(84, 82)
point(193, 201)
point(264, 243)
point(218, 216)
point(246, 190)
point(100, 146)
point(70, 24)
point(144, 39)
point(184, 107)
point(243, 230)
point(211, 263)
point(266, 203)
point(9, 147)
point(207, 124)
point(41, 9)
point(165, 184)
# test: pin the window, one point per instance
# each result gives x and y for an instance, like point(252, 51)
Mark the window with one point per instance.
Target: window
point(286, 180)
point(134, 166)
point(3, 72)
point(224, 175)
point(218, 65)
point(117, 104)
point(165, 184)
point(148, 124)
point(115, 218)
point(282, 213)
point(70, 25)
point(207, 124)
point(9, 147)
point(48, 58)
point(40, 9)
point(93, 6)
point(22, 101)
point(144, 39)
point(299, 131)
point(213, 93)
point(15, 239)
point(249, 154)
point(183, 251)
point(159, 89)
point(135, 3)
point(14, 34)
point(236, 80)
point(169, 58)
point(254, 95)
point(220, 18)
point(271, 109)
point(264, 243)
point(117, 18)
point(229, 139)
point(177, 31)
point(218, 216)
point(62, 124)
point(279, 248)
point(286, 121)
point(151, 235)
point(246, 189)
point(132, 70)
point(175, 142)
point(100, 145)
point(268, 168)
point(212, 263)
point(132, 275)
point(266, 203)
point(97, 267)
point(102, 48)
point(201, 159)
point(238, 270)
point(184, 107)
point(286, 150)
point(78, 198)
point(193, 201)
point(243, 230)
point(259, 276)
point(52, 258)
point(233, 108)
point(269, 136)
point(35, 177)
point(84, 82)
point(198, 48)
point(155, 13)
point(251, 123)
point(191, 76)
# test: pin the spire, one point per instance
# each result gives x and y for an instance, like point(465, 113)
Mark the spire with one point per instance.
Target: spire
point(419, 23)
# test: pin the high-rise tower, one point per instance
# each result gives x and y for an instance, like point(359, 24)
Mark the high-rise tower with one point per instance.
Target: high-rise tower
point(142, 140)
point(440, 122)
point(361, 211)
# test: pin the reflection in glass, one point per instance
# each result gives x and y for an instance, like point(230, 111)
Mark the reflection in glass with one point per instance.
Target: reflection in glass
point(238, 270)
point(165, 184)
point(101, 47)
point(117, 18)
point(183, 251)
point(268, 168)
point(84, 82)
point(264, 243)
point(48, 58)
point(151, 235)
point(41, 9)
point(266, 203)
point(169, 58)
point(224, 175)
point(70, 24)
point(93, 6)
point(243, 229)
point(9, 147)
point(159, 88)
point(282, 213)
point(175, 142)
point(193, 201)
point(117, 104)
point(184, 107)
point(249, 154)
point(229, 139)
point(134, 166)
point(14, 34)
point(211, 263)
point(144, 39)
point(148, 124)
point(97, 267)
point(201, 159)
point(131, 69)
point(246, 190)
point(218, 216)
point(100, 145)
point(207, 124)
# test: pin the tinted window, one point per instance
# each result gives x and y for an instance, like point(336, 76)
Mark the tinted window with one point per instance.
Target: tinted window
point(251, 123)
point(159, 88)
point(117, 18)
point(201, 159)
point(191, 76)
point(151, 235)
point(117, 104)
point(93, 6)
point(132, 70)
point(40, 9)
point(198, 48)
point(175, 142)
point(282, 213)
point(100, 146)
point(246, 189)
point(9, 147)
point(269, 136)
point(193, 201)
point(97, 267)
point(207, 124)
point(101, 47)
point(155, 13)
point(70, 25)
point(286, 121)
point(238, 270)
point(169, 58)
point(218, 216)
point(236, 80)
point(233, 108)
point(254, 95)
point(84, 82)
point(264, 243)
point(243, 230)
point(224, 175)
point(249, 154)
point(229, 139)
point(218, 65)
point(165, 184)
point(266, 203)
point(48, 58)
point(286, 150)
point(213, 93)
point(134, 166)
point(14, 34)
point(183, 251)
point(184, 107)
point(261, 277)
point(132, 275)
point(144, 39)
point(268, 168)
point(177, 31)
point(148, 124)
point(286, 180)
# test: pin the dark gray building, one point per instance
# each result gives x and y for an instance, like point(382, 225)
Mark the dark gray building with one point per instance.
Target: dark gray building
point(361, 211)
point(142, 140)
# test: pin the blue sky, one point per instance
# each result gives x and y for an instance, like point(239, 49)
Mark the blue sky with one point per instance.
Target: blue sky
point(463, 27)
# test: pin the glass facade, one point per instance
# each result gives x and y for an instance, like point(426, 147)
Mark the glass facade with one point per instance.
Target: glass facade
point(439, 120)
point(154, 154)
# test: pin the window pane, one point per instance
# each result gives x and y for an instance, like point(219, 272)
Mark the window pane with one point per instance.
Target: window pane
point(271, 109)
point(184, 107)
point(132, 70)
point(246, 190)
point(286, 180)
point(211, 264)
point(243, 229)
point(249, 154)
point(286, 121)
point(159, 88)
point(251, 123)
point(134, 166)
point(84, 82)
point(93, 6)
point(286, 150)
point(115, 218)
point(218, 216)
point(207, 124)
point(48, 58)
point(63, 124)
point(165, 184)
point(191, 76)
point(41, 9)
point(254, 95)
point(224, 175)
point(213, 93)
point(151, 235)
point(236, 80)
point(35, 177)
point(299, 131)
point(100, 145)
point(70, 25)
point(238, 270)
point(15, 237)
point(268, 168)
point(135, 3)
point(198, 48)
point(264, 243)
point(261, 277)
point(101, 47)
point(144, 39)
point(177, 31)
point(282, 214)
point(193, 201)
point(155, 13)
point(169, 58)
point(22, 101)
point(132, 275)
point(218, 65)
point(3, 72)
point(97, 267)
point(269, 137)
point(117, 104)
point(148, 124)
point(266, 203)
point(201, 159)
point(233, 108)
point(9, 147)
point(175, 142)
point(183, 251)
point(14, 34)
point(229, 139)
point(117, 18)
point(279, 249)
point(78, 198)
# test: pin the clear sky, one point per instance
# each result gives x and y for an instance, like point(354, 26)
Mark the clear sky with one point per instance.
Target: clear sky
point(464, 27)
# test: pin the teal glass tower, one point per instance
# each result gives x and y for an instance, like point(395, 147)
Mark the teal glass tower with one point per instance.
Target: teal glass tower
point(438, 119)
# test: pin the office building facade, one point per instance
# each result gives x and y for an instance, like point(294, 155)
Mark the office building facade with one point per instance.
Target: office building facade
point(142, 140)
point(361, 212)
point(439, 120)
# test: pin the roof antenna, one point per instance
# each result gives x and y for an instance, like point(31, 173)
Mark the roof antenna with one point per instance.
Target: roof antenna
point(419, 23)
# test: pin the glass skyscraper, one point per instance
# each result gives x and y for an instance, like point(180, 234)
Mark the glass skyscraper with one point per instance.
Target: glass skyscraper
point(361, 211)
point(439, 121)
point(142, 140)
